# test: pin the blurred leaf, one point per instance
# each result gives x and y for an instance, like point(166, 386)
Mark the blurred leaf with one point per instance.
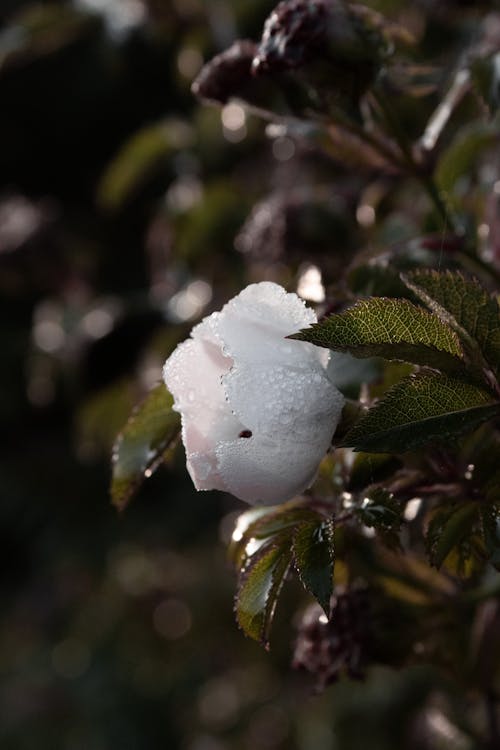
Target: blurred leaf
point(368, 468)
point(421, 409)
point(392, 374)
point(144, 155)
point(376, 278)
point(350, 373)
point(466, 306)
point(313, 557)
point(417, 581)
point(449, 527)
point(389, 328)
point(42, 30)
point(461, 156)
point(259, 588)
point(102, 415)
point(140, 446)
point(212, 223)
point(490, 522)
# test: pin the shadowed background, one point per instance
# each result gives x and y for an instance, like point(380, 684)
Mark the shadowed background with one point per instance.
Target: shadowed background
point(128, 210)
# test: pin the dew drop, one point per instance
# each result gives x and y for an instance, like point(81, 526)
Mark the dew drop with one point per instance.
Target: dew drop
point(191, 396)
point(202, 469)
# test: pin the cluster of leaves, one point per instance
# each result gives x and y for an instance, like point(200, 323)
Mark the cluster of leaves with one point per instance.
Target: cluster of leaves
point(420, 491)
point(455, 343)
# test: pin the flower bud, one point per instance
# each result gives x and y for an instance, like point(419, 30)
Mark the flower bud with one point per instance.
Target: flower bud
point(334, 49)
point(341, 645)
point(258, 412)
point(227, 75)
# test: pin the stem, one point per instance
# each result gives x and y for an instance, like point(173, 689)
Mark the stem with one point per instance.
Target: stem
point(444, 110)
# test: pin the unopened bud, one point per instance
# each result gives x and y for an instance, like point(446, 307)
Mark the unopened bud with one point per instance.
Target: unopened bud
point(227, 75)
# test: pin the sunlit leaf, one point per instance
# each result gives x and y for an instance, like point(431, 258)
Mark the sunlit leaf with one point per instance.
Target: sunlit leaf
point(262, 523)
point(139, 447)
point(259, 588)
point(465, 305)
point(389, 328)
point(421, 409)
point(313, 557)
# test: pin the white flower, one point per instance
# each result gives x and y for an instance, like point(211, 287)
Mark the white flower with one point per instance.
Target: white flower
point(258, 410)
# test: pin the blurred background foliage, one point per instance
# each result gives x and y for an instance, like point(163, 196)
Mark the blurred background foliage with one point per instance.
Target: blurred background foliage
point(128, 210)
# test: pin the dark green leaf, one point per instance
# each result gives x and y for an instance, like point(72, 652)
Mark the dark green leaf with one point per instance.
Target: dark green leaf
point(466, 306)
point(259, 588)
point(377, 278)
point(369, 468)
point(313, 556)
point(448, 528)
point(490, 522)
point(264, 523)
point(484, 74)
point(382, 512)
point(138, 449)
point(389, 328)
point(420, 409)
point(380, 509)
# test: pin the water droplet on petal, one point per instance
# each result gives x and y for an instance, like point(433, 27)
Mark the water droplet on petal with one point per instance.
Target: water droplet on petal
point(191, 396)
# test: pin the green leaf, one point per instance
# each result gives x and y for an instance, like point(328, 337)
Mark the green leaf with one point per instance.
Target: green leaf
point(313, 556)
point(461, 156)
point(259, 588)
point(465, 305)
point(140, 446)
point(448, 528)
point(389, 328)
point(380, 509)
point(421, 409)
point(490, 523)
point(144, 156)
point(382, 512)
point(484, 72)
point(262, 523)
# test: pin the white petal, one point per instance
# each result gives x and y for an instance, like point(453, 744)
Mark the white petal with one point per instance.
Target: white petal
point(284, 403)
point(193, 374)
point(258, 411)
point(203, 468)
point(253, 327)
point(259, 470)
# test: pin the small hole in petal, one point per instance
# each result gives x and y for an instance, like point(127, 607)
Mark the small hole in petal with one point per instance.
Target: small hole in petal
point(245, 433)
